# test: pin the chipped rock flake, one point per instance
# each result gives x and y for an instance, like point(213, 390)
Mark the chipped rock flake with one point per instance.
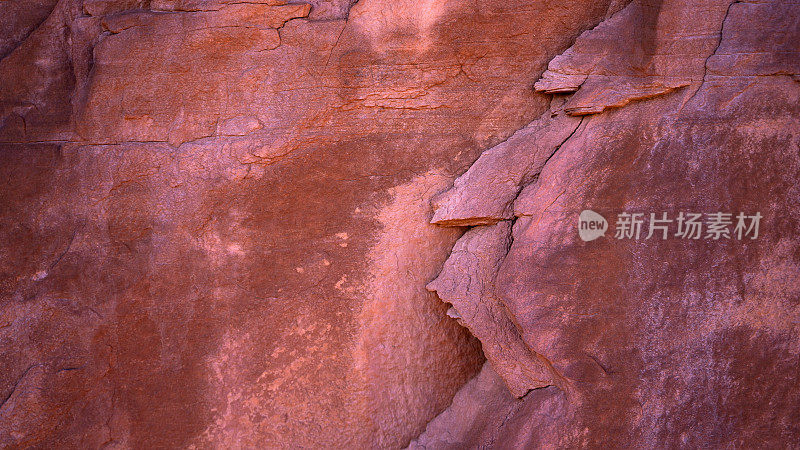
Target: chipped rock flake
point(465, 282)
point(485, 193)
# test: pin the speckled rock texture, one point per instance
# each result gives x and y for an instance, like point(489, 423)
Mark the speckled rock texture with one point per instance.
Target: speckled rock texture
point(664, 342)
point(215, 215)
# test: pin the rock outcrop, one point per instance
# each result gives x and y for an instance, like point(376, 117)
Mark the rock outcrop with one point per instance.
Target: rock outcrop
point(216, 225)
point(653, 342)
point(215, 214)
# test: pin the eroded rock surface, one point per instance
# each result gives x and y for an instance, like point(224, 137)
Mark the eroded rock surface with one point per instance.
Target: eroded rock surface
point(655, 342)
point(215, 215)
point(466, 282)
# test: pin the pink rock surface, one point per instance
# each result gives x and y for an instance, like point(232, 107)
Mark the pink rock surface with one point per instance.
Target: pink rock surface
point(219, 218)
point(215, 215)
point(465, 282)
point(485, 193)
point(656, 342)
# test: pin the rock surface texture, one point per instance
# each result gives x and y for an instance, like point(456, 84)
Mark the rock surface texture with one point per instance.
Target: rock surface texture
point(215, 214)
point(679, 343)
point(216, 226)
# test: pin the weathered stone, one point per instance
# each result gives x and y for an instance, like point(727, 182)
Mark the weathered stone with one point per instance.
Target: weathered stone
point(215, 223)
point(657, 342)
point(466, 282)
point(215, 217)
point(647, 49)
point(485, 193)
point(483, 411)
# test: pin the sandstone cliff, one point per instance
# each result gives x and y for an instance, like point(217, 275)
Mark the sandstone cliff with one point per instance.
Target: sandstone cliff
point(341, 224)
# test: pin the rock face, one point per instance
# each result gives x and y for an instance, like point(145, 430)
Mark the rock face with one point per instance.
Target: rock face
point(659, 342)
point(217, 228)
point(215, 214)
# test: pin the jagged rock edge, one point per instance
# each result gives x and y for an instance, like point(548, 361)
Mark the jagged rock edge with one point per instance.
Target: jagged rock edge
point(483, 221)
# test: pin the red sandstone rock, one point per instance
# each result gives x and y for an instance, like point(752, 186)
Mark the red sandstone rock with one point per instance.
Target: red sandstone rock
point(483, 411)
point(465, 282)
point(216, 227)
point(659, 342)
point(215, 216)
point(485, 193)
